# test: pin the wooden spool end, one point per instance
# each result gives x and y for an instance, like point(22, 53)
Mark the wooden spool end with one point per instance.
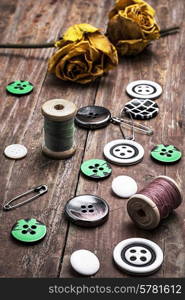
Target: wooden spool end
point(58, 110)
point(143, 211)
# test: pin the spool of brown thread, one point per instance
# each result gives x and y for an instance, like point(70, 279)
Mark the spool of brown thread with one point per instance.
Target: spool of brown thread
point(59, 128)
point(154, 203)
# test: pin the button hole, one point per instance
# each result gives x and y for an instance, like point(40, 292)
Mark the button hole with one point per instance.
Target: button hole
point(132, 258)
point(33, 227)
point(143, 258)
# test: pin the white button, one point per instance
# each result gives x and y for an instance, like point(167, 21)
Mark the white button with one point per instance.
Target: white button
point(15, 151)
point(85, 262)
point(123, 152)
point(138, 256)
point(124, 186)
point(144, 89)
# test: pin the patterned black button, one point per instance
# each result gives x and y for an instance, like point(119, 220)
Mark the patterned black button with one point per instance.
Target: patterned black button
point(92, 117)
point(142, 109)
point(87, 210)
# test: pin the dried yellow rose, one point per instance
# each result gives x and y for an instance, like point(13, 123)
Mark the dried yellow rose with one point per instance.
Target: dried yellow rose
point(83, 54)
point(132, 26)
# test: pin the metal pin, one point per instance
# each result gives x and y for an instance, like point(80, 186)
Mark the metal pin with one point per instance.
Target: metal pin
point(39, 190)
point(133, 125)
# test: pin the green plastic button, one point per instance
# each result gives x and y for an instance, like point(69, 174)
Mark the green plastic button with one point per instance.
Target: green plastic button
point(96, 168)
point(166, 153)
point(28, 230)
point(19, 87)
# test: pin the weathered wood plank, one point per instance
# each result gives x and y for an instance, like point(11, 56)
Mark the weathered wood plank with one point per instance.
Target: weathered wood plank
point(23, 122)
point(162, 63)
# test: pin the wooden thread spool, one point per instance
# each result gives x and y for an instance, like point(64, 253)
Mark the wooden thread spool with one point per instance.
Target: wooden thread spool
point(143, 210)
point(58, 116)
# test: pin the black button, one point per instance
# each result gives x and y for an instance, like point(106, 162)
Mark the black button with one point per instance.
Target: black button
point(92, 117)
point(141, 109)
point(87, 210)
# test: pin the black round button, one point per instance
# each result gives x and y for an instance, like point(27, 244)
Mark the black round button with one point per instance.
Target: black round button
point(87, 210)
point(92, 117)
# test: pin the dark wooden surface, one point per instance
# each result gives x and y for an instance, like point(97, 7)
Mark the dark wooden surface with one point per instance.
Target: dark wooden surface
point(22, 122)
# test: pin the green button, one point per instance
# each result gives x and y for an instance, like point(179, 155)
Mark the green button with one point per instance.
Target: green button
point(96, 168)
point(19, 87)
point(28, 230)
point(166, 153)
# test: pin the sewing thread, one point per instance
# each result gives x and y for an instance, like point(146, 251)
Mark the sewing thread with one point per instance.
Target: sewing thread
point(154, 202)
point(58, 128)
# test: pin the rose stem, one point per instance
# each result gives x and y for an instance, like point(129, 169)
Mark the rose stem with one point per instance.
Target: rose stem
point(46, 45)
point(163, 33)
point(168, 31)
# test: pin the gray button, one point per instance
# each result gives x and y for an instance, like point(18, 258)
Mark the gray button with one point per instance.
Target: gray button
point(92, 117)
point(87, 210)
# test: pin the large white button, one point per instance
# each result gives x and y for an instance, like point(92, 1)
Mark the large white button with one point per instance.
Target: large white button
point(124, 152)
point(138, 256)
point(144, 89)
point(15, 151)
point(124, 186)
point(85, 262)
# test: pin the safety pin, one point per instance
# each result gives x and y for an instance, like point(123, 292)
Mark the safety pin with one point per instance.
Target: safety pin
point(130, 124)
point(40, 190)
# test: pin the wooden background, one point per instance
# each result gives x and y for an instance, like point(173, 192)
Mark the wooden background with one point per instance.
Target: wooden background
point(22, 122)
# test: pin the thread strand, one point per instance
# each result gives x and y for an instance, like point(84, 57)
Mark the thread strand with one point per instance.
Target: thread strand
point(165, 194)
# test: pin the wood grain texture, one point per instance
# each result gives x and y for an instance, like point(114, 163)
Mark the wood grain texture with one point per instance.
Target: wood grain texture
point(22, 122)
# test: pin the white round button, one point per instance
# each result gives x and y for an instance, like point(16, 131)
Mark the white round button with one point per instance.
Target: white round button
point(124, 186)
point(138, 256)
point(85, 262)
point(15, 151)
point(123, 152)
point(144, 89)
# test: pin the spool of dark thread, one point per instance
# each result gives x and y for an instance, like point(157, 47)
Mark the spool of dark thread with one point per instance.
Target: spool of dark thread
point(154, 203)
point(58, 128)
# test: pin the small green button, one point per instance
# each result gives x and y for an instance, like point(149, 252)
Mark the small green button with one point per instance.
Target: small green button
point(19, 87)
point(166, 153)
point(28, 230)
point(96, 168)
